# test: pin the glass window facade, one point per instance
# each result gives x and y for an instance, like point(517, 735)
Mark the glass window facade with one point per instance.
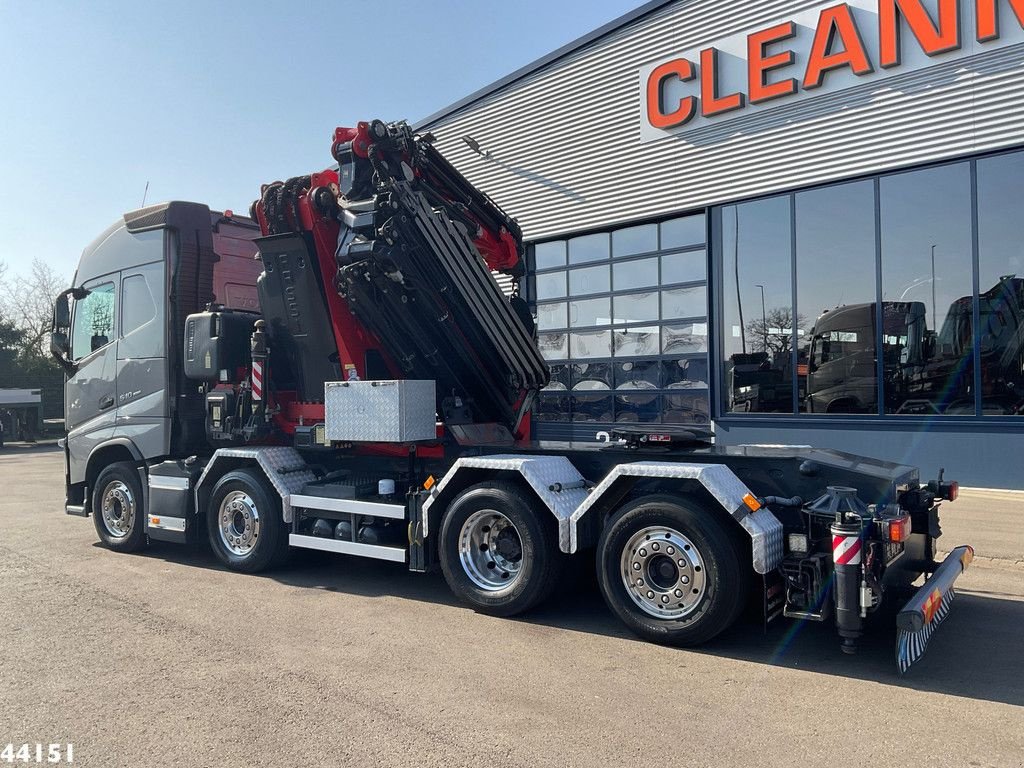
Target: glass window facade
point(896, 296)
point(624, 327)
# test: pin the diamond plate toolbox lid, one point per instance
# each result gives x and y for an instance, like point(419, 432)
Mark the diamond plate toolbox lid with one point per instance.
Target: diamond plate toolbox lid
point(402, 411)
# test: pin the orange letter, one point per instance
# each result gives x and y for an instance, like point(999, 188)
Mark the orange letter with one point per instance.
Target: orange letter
point(759, 64)
point(988, 18)
point(712, 104)
point(836, 24)
point(933, 39)
point(658, 118)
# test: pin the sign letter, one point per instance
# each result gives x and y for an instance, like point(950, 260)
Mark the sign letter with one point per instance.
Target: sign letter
point(712, 103)
point(759, 63)
point(836, 24)
point(656, 116)
point(988, 18)
point(934, 38)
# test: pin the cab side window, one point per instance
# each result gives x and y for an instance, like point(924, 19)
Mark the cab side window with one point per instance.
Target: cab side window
point(142, 312)
point(137, 306)
point(93, 325)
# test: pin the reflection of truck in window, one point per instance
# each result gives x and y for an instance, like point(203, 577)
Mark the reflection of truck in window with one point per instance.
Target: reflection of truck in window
point(1000, 348)
point(842, 367)
point(924, 372)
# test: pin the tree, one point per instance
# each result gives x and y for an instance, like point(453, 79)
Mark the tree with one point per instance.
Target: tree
point(774, 333)
point(11, 341)
point(27, 301)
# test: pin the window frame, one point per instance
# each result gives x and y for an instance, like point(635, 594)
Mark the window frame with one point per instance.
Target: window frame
point(114, 281)
point(797, 418)
point(701, 392)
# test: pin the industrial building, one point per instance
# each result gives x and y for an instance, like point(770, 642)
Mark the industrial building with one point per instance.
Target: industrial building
point(797, 222)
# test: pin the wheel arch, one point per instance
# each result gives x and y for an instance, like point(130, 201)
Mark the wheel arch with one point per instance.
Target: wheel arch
point(283, 468)
point(116, 450)
point(536, 475)
point(714, 486)
point(581, 511)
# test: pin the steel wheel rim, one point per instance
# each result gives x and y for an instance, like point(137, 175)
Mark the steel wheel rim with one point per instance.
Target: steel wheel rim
point(663, 572)
point(491, 550)
point(238, 523)
point(118, 509)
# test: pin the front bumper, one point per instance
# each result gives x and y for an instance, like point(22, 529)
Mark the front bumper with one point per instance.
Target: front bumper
point(920, 617)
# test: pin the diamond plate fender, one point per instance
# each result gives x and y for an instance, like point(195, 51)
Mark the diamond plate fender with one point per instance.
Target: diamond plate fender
point(541, 473)
point(764, 528)
point(284, 468)
point(571, 505)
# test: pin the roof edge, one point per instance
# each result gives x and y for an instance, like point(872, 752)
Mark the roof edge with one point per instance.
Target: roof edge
point(543, 61)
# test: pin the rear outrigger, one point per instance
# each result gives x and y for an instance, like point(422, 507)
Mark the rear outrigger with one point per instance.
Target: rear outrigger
point(340, 371)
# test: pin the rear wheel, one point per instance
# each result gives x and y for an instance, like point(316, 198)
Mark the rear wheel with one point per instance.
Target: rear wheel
point(117, 508)
point(245, 524)
point(497, 552)
point(671, 570)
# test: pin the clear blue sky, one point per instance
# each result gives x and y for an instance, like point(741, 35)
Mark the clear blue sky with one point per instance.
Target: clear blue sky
point(207, 100)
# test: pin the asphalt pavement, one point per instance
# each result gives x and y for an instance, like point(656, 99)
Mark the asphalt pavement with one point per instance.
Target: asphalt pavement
point(166, 659)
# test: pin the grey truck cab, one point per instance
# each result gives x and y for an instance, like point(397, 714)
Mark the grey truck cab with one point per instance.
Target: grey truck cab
point(117, 333)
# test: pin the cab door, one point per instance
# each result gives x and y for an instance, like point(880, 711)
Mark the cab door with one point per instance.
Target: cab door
point(143, 414)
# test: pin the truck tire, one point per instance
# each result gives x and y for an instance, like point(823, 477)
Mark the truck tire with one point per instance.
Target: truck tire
point(670, 570)
point(117, 509)
point(497, 553)
point(244, 521)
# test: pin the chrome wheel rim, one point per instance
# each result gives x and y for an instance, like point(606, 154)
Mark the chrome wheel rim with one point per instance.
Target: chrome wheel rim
point(663, 572)
point(491, 550)
point(239, 523)
point(118, 509)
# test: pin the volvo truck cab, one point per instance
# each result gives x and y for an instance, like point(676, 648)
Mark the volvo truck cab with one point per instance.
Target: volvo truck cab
point(118, 333)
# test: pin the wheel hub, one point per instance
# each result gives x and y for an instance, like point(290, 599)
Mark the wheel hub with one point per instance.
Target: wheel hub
point(663, 572)
point(118, 509)
point(239, 523)
point(490, 550)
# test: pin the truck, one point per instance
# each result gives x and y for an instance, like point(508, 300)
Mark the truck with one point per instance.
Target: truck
point(341, 371)
point(923, 369)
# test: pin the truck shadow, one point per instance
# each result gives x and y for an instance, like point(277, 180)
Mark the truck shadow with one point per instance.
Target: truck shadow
point(977, 654)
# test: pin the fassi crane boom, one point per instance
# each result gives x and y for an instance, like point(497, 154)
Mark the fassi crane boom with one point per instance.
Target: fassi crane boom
point(381, 269)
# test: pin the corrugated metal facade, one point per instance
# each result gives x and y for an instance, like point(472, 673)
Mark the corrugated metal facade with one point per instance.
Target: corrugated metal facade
point(566, 155)
point(565, 148)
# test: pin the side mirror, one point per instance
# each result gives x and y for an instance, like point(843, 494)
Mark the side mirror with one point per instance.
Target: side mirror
point(928, 345)
point(987, 344)
point(59, 346)
point(61, 351)
point(98, 341)
point(61, 312)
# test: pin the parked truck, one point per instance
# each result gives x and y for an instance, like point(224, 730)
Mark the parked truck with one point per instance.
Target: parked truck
point(925, 372)
point(340, 371)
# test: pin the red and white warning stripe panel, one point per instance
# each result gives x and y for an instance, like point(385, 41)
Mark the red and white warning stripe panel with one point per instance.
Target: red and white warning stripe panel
point(257, 380)
point(846, 550)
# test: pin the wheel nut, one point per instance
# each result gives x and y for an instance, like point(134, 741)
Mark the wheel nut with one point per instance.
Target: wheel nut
point(655, 546)
point(639, 582)
point(664, 598)
point(685, 579)
point(682, 563)
point(650, 595)
point(679, 593)
point(643, 553)
point(636, 566)
point(671, 550)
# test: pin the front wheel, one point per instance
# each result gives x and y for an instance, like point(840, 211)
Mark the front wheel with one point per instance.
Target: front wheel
point(117, 508)
point(671, 570)
point(245, 524)
point(498, 553)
